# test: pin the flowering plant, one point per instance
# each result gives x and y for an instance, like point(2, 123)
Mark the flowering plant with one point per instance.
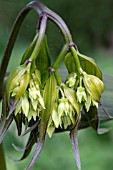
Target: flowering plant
point(35, 95)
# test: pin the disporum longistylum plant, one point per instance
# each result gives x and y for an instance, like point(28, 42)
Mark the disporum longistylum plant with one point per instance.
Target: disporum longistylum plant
point(35, 95)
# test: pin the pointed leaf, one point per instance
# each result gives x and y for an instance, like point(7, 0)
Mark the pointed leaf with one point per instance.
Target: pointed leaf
point(5, 127)
point(43, 60)
point(27, 149)
point(29, 50)
point(18, 120)
point(74, 141)
point(50, 94)
point(92, 117)
point(103, 130)
point(36, 154)
point(30, 129)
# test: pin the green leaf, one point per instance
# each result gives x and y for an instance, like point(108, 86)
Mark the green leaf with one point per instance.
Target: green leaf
point(36, 154)
point(5, 127)
point(92, 117)
point(106, 109)
point(2, 158)
point(50, 94)
point(27, 149)
point(18, 120)
point(87, 64)
point(74, 142)
point(29, 50)
point(43, 61)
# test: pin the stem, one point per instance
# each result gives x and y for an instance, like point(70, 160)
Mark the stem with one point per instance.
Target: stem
point(61, 24)
point(2, 159)
point(40, 38)
point(61, 56)
point(10, 44)
point(57, 75)
point(58, 62)
point(41, 8)
point(76, 59)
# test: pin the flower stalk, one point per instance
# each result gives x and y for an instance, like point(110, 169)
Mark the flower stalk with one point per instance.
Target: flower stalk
point(76, 59)
point(41, 34)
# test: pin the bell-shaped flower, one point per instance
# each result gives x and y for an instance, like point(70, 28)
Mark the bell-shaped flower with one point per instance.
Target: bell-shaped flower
point(66, 113)
point(81, 94)
point(71, 80)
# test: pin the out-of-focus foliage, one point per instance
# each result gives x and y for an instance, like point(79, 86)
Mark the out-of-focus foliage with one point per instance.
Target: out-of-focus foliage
point(90, 22)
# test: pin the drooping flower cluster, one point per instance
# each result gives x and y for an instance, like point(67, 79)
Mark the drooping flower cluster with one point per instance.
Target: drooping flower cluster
point(65, 110)
point(88, 89)
point(34, 92)
point(31, 101)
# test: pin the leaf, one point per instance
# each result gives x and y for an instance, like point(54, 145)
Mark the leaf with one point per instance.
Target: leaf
point(27, 149)
point(84, 123)
point(87, 64)
point(74, 142)
point(36, 154)
point(5, 127)
point(50, 94)
point(29, 50)
point(3, 114)
point(92, 117)
point(30, 129)
point(4, 122)
point(103, 130)
point(43, 60)
point(18, 120)
point(106, 107)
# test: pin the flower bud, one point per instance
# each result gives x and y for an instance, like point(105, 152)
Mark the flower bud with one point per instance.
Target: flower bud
point(93, 85)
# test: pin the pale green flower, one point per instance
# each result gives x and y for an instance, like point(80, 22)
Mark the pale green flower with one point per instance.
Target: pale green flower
point(55, 116)
point(71, 80)
point(81, 94)
point(35, 94)
point(88, 102)
point(31, 102)
point(63, 113)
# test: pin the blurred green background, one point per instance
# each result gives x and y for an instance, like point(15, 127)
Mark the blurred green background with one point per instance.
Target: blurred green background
point(91, 25)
